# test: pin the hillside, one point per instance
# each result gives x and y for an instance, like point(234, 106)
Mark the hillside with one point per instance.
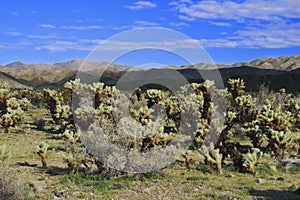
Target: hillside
point(276, 72)
point(286, 63)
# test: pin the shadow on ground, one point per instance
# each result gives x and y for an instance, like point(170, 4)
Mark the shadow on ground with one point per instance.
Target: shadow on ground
point(53, 171)
point(274, 194)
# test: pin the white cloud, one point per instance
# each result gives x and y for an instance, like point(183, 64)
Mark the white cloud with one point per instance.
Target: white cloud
point(220, 23)
point(47, 26)
point(60, 45)
point(255, 9)
point(13, 33)
point(113, 45)
point(17, 45)
point(271, 35)
point(141, 5)
point(178, 24)
point(186, 1)
point(52, 36)
point(145, 23)
point(137, 24)
point(218, 43)
point(186, 18)
point(82, 27)
point(257, 34)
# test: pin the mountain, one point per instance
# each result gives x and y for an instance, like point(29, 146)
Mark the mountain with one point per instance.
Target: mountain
point(13, 82)
point(275, 72)
point(75, 64)
point(286, 63)
point(36, 67)
point(84, 65)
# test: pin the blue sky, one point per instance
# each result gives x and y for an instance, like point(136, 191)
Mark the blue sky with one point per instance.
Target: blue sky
point(51, 31)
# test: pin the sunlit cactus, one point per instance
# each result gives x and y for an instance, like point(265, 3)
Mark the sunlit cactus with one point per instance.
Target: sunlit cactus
point(212, 156)
point(61, 112)
point(154, 96)
point(142, 115)
point(11, 109)
point(73, 137)
point(236, 87)
point(42, 151)
point(271, 130)
point(76, 154)
point(251, 159)
point(72, 161)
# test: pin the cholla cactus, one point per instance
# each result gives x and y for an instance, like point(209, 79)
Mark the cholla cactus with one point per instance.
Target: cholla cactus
point(236, 87)
point(103, 94)
point(251, 159)
point(11, 108)
point(154, 96)
point(204, 92)
point(76, 153)
point(25, 104)
point(173, 112)
point(60, 112)
point(73, 137)
point(4, 154)
point(271, 131)
point(212, 156)
point(42, 151)
point(281, 140)
point(201, 133)
point(142, 115)
point(72, 161)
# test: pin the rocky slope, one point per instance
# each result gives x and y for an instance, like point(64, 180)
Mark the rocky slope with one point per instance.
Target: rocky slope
point(286, 63)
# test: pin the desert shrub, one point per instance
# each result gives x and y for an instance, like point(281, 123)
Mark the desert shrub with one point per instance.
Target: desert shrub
point(10, 188)
point(35, 96)
point(39, 123)
point(150, 119)
point(11, 108)
point(61, 113)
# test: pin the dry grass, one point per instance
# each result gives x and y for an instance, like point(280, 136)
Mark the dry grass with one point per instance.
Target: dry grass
point(10, 186)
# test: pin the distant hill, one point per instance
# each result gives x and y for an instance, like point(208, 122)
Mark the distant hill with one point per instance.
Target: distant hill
point(37, 67)
point(75, 64)
point(13, 82)
point(286, 63)
point(276, 72)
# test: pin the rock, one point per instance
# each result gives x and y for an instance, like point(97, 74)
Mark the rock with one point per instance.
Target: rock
point(146, 190)
point(260, 180)
point(58, 194)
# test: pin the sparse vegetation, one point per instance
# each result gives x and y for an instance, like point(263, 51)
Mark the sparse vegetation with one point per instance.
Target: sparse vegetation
point(254, 135)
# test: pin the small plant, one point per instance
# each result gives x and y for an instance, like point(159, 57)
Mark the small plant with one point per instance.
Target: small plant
point(4, 154)
point(212, 156)
point(39, 123)
point(76, 153)
point(251, 159)
point(42, 151)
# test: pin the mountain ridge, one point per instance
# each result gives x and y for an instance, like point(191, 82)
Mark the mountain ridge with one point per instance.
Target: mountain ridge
point(254, 73)
point(286, 63)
